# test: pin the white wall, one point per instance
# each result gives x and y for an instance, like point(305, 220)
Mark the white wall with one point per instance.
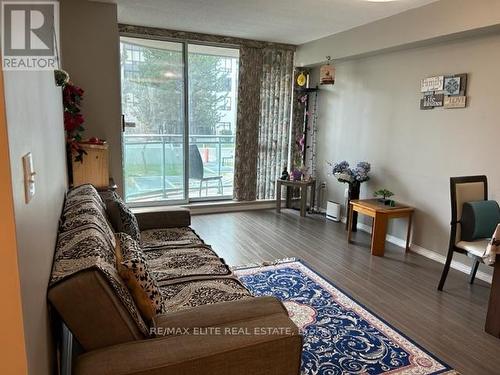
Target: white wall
point(35, 124)
point(372, 113)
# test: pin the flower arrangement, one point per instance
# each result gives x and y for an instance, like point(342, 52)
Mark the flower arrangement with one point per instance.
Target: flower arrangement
point(343, 173)
point(73, 119)
point(354, 177)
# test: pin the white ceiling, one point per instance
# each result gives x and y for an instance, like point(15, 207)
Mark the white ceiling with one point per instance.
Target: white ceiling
point(286, 21)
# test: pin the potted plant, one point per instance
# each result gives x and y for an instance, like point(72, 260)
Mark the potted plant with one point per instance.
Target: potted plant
point(385, 195)
point(354, 177)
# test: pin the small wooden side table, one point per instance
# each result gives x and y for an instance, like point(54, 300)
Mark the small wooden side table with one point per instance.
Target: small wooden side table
point(381, 215)
point(303, 185)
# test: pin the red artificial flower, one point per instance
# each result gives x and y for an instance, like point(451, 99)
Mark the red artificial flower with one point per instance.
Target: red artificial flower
point(72, 121)
point(72, 95)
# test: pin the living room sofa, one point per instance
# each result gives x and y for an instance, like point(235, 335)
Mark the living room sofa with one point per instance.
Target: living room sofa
point(210, 323)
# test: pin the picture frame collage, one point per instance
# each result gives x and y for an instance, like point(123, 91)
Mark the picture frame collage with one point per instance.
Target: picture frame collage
point(445, 91)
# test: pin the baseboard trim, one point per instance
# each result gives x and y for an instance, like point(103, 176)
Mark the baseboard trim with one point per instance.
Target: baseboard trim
point(455, 264)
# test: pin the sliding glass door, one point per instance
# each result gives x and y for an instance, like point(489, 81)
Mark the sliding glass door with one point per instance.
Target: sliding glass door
point(179, 105)
point(213, 89)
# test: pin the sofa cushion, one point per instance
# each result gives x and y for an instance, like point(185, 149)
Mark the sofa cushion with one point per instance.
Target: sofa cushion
point(122, 219)
point(173, 237)
point(134, 270)
point(164, 217)
point(169, 265)
point(184, 295)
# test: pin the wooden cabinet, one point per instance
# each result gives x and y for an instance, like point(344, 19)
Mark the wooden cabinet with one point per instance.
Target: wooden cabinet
point(95, 166)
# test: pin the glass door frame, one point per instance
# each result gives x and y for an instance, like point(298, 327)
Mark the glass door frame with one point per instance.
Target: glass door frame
point(185, 57)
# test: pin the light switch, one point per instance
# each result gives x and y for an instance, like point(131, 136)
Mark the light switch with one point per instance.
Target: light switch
point(29, 177)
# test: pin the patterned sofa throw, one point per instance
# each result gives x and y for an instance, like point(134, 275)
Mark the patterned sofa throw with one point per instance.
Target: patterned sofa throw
point(83, 194)
point(134, 270)
point(479, 219)
point(86, 241)
point(122, 219)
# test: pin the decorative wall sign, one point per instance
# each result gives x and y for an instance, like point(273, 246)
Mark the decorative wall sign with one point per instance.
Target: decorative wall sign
point(452, 85)
point(455, 101)
point(432, 84)
point(447, 91)
point(433, 100)
point(463, 83)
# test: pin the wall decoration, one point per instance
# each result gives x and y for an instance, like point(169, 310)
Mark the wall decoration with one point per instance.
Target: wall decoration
point(452, 85)
point(463, 83)
point(327, 73)
point(425, 105)
point(432, 84)
point(433, 100)
point(302, 79)
point(455, 102)
point(446, 91)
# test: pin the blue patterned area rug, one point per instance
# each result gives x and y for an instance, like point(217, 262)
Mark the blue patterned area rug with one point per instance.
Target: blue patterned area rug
point(340, 335)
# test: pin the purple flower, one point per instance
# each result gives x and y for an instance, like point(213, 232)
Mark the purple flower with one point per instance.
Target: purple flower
point(343, 173)
point(340, 167)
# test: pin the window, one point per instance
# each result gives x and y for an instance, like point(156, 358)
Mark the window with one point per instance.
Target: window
point(224, 128)
point(168, 157)
point(227, 65)
point(226, 103)
point(227, 84)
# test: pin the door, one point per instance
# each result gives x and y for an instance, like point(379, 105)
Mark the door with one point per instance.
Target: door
point(179, 102)
point(152, 76)
point(213, 98)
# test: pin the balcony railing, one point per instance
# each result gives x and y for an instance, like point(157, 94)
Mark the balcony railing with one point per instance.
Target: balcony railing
point(154, 166)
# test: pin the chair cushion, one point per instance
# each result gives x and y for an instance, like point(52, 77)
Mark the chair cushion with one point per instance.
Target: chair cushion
point(477, 248)
point(122, 219)
point(479, 219)
point(134, 270)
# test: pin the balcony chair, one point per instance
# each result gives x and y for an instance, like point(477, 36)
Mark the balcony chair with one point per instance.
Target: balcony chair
point(196, 171)
point(464, 189)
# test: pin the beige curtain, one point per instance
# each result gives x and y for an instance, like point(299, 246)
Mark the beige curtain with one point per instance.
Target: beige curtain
point(274, 125)
point(247, 130)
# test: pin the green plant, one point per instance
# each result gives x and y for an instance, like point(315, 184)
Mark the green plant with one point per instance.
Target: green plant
point(384, 193)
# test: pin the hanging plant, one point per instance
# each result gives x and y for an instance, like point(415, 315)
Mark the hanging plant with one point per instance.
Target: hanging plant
point(73, 119)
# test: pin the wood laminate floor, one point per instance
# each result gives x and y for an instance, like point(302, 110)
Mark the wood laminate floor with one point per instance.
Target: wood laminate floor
point(401, 288)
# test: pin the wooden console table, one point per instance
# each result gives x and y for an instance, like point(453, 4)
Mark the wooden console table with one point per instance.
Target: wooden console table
point(381, 215)
point(303, 185)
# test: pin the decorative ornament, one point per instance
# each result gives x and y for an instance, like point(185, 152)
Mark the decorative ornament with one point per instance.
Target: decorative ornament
point(301, 79)
point(61, 77)
point(327, 73)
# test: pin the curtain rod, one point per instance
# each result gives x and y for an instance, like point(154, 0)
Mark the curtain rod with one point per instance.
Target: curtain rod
point(159, 33)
